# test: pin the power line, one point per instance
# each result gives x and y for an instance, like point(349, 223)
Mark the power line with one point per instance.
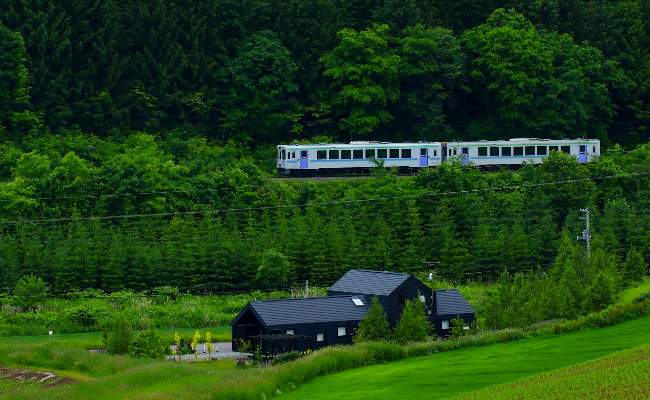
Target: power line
point(325, 203)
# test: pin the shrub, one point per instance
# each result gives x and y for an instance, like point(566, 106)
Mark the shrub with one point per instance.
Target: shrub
point(374, 326)
point(457, 327)
point(30, 292)
point(149, 344)
point(413, 325)
point(86, 315)
point(164, 293)
point(118, 335)
point(287, 357)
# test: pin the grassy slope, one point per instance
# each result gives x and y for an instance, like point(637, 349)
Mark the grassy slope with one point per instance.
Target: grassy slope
point(631, 294)
point(622, 375)
point(448, 374)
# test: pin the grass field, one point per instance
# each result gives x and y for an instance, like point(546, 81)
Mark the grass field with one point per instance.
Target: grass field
point(446, 375)
point(622, 375)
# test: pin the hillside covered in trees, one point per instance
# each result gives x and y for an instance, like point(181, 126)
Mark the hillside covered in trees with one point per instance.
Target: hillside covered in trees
point(261, 71)
point(136, 139)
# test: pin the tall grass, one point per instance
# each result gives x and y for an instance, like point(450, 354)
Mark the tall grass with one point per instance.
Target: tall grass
point(622, 375)
point(88, 314)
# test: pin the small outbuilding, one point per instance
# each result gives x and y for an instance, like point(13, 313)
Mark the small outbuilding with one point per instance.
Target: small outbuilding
point(450, 304)
point(279, 326)
point(391, 288)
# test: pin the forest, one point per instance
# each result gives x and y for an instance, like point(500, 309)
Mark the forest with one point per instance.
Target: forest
point(262, 71)
point(136, 139)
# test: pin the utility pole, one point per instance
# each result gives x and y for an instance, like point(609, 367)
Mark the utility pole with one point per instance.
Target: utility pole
point(586, 234)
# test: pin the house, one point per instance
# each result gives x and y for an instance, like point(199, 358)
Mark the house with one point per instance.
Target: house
point(284, 325)
point(391, 288)
point(450, 304)
point(278, 326)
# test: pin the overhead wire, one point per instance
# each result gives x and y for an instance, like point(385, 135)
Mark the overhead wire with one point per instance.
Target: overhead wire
point(322, 203)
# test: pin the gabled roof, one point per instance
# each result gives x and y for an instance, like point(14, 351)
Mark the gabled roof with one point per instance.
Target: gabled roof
point(451, 302)
point(308, 310)
point(362, 281)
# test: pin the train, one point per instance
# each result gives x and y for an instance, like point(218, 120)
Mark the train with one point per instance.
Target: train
point(361, 156)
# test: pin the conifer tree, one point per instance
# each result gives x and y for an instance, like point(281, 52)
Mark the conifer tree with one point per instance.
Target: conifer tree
point(374, 326)
point(413, 325)
point(634, 267)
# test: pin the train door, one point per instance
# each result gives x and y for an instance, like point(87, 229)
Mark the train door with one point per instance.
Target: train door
point(424, 157)
point(582, 154)
point(443, 153)
point(304, 162)
point(464, 160)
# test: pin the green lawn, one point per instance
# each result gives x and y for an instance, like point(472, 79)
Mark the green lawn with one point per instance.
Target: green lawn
point(622, 375)
point(449, 374)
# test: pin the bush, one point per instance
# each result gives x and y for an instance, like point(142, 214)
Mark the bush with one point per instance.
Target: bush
point(149, 344)
point(30, 292)
point(287, 357)
point(85, 315)
point(118, 335)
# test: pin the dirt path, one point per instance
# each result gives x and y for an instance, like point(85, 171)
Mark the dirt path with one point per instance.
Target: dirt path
point(45, 378)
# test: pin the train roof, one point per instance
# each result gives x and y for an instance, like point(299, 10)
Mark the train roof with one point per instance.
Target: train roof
point(359, 144)
point(516, 141)
point(513, 141)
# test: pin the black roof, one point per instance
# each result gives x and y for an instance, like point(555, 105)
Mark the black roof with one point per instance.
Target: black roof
point(309, 310)
point(451, 302)
point(379, 283)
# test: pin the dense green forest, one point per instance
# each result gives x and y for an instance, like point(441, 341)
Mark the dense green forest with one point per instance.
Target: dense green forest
point(136, 138)
point(262, 71)
point(87, 212)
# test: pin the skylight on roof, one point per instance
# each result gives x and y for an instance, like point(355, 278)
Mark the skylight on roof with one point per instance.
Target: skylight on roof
point(357, 302)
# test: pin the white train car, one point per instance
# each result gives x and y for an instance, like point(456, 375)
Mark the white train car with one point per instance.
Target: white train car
point(517, 151)
point(312, 158)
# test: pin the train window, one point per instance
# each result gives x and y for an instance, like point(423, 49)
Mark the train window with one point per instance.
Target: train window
point(518, 151)
point(284, 154)
point(346, 154)
point(506, 151)
point(435, 153)
point(465, 150)
point(406, 153)
point(357, 154)
point(482, 151)
point(423, 152)
point(541, 150)
point(552, 148)
point(382, 153)
point(293, 154)
point(455, 152)
point(530, 150)
point(303, 154)
point(494, 152)
point(593, 149)
point(370, 153)
point(394, 153)
point(321, 154)
point(583, 149)
point(566, 149)
point(334, 154)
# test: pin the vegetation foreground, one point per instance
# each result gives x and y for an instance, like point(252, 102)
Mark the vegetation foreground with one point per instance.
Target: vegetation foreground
point(622, 375)
point(103, 376)
point(449, 374)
